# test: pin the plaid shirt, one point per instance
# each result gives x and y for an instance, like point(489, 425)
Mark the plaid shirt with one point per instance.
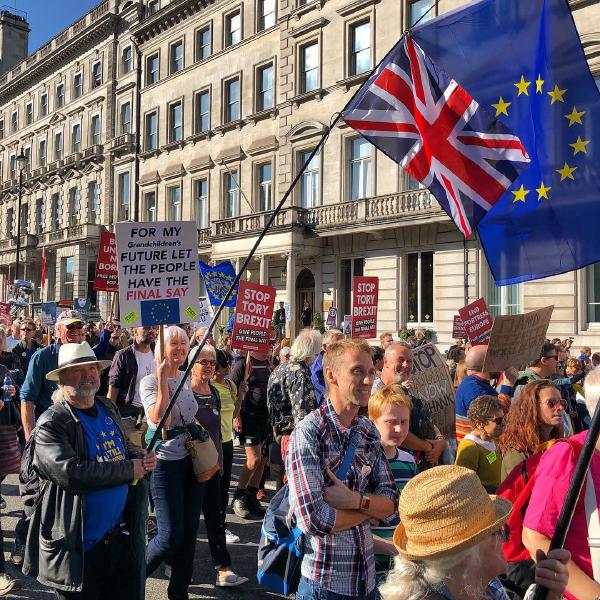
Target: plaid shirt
point(341, 562)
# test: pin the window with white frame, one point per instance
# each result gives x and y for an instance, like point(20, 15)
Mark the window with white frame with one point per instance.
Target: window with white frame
point(96, 75)
point(266, 14)
point(14, 121)
point(202, 107)
point(77, 85)
point(126, 117)
point(203, 43)
point(151, 130)
point(42, 153)
point(58, 145)
point(29, 113)
point(124, 196)
point(74, 206)
point(56, 208)
point(174, 199)
point(416, 11)
point(309, 184)
point(419, 287)
point(94, 202)
point(12, 166)
point(176, 62)
point(152, 69)
point(24, 221)
point(150, 206)
point(360, 168)
point(43, 104)
point(233, 28)
point(201, 195)
point(502, 300)
point(1, 129)
point(264, 87)
point(360, 51)
point(351, 268)
point(10, 222)
point(175, 122)
point(126, 60)
point(95, 130)
point(40, 215)
point(27, 155)
point(231, 190)
point(60, 95)
point(265, 186)
point(232, 100)
point(592, 289)
point(309, 67)
point(68, 264)
point(76, 138)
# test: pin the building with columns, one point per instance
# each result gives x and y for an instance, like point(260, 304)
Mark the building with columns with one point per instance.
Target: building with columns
point(206, 110)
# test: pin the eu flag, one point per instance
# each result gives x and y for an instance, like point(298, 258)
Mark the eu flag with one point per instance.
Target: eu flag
point(160, 312)
point(524, 61)
point(218, 280)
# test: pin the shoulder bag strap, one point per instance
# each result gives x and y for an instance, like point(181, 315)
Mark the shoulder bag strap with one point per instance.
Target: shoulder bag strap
point(593, 523)
point(348, 457)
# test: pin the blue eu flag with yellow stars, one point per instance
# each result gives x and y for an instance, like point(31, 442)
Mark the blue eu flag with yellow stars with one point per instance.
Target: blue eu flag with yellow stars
point(217, 281)
point(160, 312)
point(523, 60)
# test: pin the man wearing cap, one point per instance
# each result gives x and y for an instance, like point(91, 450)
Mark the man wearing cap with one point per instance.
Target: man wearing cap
point(82, 533)
point(36, 393)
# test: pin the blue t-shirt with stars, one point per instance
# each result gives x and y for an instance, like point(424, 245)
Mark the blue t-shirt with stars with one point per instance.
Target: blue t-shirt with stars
point(103, 508)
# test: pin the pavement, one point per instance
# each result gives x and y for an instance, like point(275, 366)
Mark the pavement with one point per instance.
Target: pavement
point(243, 554)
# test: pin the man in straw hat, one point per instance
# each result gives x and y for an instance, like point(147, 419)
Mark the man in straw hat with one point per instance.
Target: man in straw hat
point(80, 538)
point(334, 515)
point(450, 538)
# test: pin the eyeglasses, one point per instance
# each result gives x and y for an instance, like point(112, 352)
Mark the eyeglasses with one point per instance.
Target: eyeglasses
point(74, 326)
point(206, 363)
point(503, 534)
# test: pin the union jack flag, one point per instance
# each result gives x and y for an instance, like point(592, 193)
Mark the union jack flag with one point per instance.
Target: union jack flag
point(425, 121)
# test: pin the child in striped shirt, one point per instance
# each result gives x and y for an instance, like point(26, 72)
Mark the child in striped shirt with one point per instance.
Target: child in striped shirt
point(389, 410)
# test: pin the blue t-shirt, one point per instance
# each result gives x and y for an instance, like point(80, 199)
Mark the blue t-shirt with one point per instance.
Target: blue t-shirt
point(471, 387)
point(317, 378)
point(103, 508)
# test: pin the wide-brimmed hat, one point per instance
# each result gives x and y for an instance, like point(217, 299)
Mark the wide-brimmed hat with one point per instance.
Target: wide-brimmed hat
point(67, 317)
point(445, 510)
point(72, 355)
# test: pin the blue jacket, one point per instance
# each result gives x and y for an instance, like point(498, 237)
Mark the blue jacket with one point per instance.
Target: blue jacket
point(37, 388)
point(317, 378)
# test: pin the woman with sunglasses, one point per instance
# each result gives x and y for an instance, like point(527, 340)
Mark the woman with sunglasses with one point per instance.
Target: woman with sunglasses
point(534, 422)
point(209, 416)
point(477, 450)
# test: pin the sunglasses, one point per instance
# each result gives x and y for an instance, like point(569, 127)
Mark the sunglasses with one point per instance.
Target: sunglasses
point(74, 326)
point(554, 356)
point(554, 403)
point(206, 363)
point(499, 420)
point(27, 329)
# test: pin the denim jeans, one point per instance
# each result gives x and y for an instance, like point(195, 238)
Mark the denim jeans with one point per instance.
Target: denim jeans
point(177, 499)
point(309, 590)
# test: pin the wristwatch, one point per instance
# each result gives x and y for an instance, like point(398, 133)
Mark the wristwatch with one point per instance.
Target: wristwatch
point(365, 502)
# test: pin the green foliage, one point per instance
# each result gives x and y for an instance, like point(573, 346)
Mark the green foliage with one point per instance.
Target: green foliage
point(318, 322)
point(407, 333)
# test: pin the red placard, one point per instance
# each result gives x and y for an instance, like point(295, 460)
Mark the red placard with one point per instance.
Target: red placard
point(253, 317)
point(364, 307)
point(5, 313)
point(107, 274)
point(477, 321)
point(458, 329)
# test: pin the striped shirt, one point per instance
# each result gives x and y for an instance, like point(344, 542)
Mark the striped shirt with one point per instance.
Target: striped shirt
point(342, 562)
point(403, 468)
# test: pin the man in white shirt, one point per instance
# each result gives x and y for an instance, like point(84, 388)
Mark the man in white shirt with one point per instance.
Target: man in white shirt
point(15, 335)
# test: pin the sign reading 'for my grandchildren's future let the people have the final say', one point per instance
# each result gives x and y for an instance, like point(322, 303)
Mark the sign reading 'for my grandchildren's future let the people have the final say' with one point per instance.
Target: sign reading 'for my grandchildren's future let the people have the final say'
point(159, 282)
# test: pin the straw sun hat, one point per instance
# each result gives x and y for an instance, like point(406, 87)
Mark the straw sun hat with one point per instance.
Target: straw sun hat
point(445, 510)
point(72, 355)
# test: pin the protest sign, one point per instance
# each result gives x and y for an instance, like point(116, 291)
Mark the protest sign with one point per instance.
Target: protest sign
point(516, 340)
point(204, 314)
point(477, 321)
point(107, 273)
point(331, 317)
point(48, 314)
point(347, 325)
point(253, 317)
point(5, 313)
point(83, 306)
point(158, 273)
point(458, 329)
point(432, 384)
point(364, 307)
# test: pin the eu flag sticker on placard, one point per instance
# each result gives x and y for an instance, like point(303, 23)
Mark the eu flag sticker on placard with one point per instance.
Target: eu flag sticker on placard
point(159, 312)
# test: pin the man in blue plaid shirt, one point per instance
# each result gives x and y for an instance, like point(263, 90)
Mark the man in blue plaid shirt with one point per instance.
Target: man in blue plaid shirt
point(338, 562)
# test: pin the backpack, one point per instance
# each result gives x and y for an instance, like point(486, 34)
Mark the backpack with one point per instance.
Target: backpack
point(280, 548)
point(517, 488)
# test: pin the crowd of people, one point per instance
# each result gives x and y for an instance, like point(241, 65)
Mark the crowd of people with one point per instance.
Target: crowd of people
point(417, 514)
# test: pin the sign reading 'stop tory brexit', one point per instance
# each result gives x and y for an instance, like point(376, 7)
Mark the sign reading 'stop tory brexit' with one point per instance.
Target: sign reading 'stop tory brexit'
point(158, 273)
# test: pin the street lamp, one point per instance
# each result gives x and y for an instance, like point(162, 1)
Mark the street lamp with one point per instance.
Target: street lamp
point(22, 161)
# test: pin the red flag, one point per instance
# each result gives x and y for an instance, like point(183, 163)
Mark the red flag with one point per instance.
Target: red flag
point(43, 268)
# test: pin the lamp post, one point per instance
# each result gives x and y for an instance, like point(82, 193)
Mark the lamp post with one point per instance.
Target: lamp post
point(22, 161)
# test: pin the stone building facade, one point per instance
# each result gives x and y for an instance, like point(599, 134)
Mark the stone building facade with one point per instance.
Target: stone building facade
point(208, 110)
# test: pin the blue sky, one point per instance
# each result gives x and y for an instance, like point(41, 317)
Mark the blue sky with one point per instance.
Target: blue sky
point(49, 17)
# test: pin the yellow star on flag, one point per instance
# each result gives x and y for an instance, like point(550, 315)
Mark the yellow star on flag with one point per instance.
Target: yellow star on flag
point(501, 107)
point(539, 82)
point(575, 116)
point(522, 86)
point(543, 191)
point(557, 95)
point(520, 194)
point(566, 172)
point(579, 146)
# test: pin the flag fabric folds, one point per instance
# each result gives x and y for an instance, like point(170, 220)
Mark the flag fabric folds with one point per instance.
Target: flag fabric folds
point(217, 280)
point(525, 62)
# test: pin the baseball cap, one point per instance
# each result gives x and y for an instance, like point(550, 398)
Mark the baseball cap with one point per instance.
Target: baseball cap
point(69, 316)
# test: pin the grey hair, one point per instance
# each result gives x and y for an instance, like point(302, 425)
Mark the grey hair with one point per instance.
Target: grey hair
point(285, 351)
point(57, 396)
point(169, 333)
point(329, 335)
point(395, 345)
point(206, 349)
point(415, 580)
point(592, 390)
point(306, 346)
